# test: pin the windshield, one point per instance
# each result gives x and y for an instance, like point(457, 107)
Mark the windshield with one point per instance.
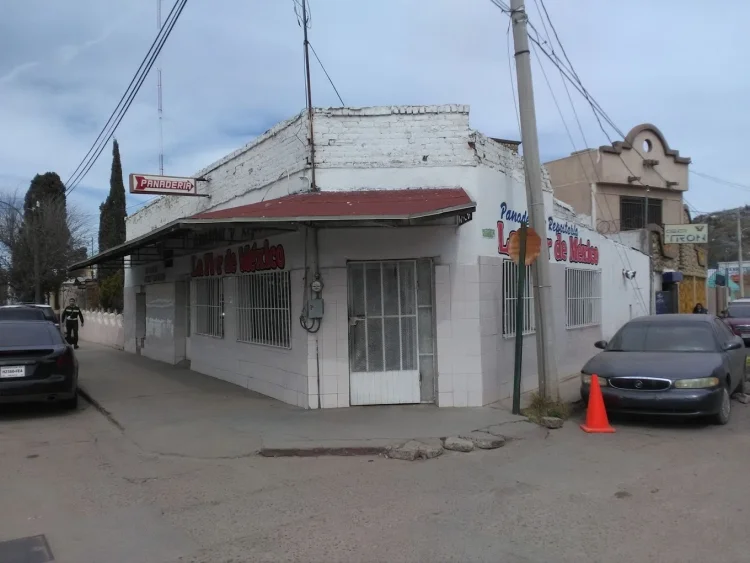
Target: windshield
point(739, 310)
point(15, 335)
point(21, 314)
point(663, 337)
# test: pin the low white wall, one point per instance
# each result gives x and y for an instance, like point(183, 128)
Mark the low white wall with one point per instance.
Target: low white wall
point(102, 328)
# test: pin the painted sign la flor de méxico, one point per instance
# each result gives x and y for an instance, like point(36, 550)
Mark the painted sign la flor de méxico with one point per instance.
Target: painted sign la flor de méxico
point(246, 258)
point(563, 241)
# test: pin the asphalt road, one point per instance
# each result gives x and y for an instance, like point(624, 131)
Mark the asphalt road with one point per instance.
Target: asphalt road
point(650, 492)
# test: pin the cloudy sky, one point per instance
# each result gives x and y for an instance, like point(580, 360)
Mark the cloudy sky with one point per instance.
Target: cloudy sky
point(233, 68)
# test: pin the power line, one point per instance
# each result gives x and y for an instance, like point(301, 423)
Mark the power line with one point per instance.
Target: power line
point(721, 180)
point(119, 112)
point(623, 256)
point(512, 85)
point(112, 116)
point(326, 73)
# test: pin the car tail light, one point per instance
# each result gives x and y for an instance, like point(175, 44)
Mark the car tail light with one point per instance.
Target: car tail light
point(66, 360)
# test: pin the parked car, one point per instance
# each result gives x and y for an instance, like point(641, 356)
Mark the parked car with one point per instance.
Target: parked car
point(21, 313)
point(36, 364)
point(683, 365)
point(737, 316)
point(49, 313)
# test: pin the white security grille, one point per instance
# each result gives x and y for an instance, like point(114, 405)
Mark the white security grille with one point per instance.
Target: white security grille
point(510, 298)
point(264, 309)
point(583, 296)
point(209, 307)
point(384, 306)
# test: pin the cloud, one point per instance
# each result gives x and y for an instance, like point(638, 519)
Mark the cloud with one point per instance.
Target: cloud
point(16, 72)
point(231, 73)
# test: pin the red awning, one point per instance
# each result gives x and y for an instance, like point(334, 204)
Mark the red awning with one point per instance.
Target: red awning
point(364, 204)
point(364, 208)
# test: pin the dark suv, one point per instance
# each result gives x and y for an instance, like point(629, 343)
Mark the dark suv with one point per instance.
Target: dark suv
point(738, 318)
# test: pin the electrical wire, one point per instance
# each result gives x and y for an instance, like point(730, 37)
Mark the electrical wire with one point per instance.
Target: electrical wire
point(326, 73)
point(721, 180)
point(577, 83)
point(624, 258)
point(512, 83)
point(161, 38)
point(119, 112)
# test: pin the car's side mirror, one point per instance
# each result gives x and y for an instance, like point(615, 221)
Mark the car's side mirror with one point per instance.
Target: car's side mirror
point(601, 344)
point(734, 345)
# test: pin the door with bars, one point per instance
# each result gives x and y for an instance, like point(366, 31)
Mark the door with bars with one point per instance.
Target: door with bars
point(391, 332)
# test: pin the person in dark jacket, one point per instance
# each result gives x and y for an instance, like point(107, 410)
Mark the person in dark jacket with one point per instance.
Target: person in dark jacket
point(699, 309)
point(70, 316)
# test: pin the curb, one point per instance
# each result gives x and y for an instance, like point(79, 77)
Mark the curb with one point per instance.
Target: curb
point(98, 406)
point(318, 451)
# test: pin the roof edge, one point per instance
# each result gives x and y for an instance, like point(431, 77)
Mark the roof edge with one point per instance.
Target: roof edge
point(618, 146)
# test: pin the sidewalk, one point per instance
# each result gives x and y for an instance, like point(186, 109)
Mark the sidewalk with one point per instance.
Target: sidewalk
point(174, 411)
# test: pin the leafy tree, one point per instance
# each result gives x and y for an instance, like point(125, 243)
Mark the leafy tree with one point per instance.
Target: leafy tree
point(39, 237)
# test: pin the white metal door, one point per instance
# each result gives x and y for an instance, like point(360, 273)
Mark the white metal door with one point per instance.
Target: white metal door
point(383, 333)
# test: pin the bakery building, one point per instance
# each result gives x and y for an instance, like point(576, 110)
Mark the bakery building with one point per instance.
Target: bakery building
point(378, 276)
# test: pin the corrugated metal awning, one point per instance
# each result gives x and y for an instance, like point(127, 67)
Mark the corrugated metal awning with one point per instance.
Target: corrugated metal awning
point(365, 208)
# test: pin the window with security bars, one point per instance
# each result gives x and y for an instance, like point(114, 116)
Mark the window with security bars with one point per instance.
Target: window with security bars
point(264, 309)
point(209, 306)
point(583, 297)
point(510, 300)
point(632, 212)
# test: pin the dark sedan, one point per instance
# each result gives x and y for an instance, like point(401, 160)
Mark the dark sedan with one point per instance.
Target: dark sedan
point(684, 365)
point(21, 313)
point(36, 364)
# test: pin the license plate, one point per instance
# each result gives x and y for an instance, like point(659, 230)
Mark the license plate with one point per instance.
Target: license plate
point(745, 335)
point(14, 371)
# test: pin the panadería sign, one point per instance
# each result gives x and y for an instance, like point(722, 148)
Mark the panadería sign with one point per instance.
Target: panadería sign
point(573, 249)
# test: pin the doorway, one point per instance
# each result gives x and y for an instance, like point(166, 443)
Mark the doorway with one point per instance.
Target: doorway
point(391, 332)
point(140, 321)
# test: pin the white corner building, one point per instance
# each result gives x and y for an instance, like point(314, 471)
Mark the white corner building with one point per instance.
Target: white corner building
point(378, 276)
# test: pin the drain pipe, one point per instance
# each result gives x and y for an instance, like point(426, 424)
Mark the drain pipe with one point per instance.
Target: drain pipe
point(315, 270)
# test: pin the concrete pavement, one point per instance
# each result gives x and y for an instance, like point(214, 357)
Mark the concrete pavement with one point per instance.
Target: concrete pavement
point(652, 493)
point(174, 411)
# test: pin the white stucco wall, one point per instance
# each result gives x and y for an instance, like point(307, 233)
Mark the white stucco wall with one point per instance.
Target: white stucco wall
point(381, 148)
point(102, 328)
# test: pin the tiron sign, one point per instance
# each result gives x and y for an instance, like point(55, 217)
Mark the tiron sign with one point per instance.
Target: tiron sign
point(166, 185)
point(247, 258)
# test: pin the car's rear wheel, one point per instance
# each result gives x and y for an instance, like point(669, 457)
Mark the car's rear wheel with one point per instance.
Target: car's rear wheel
point(725, 410)
point(71, 404)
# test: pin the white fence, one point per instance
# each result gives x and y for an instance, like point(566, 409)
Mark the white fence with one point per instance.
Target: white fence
point(102, 328)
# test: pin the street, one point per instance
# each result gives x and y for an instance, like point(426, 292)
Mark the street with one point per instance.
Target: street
point(667, 492)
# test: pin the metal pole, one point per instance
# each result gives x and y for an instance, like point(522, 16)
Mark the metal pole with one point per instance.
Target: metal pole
point(159, 96)
point(37, 271)
point(739, 252)
point(518, 364)
point(543, 307)
point(313, 184)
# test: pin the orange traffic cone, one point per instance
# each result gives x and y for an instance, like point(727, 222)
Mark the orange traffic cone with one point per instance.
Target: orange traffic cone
point(596, 414)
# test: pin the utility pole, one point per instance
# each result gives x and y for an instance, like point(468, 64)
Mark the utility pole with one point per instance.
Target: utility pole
point(158, 91)
point(313, 185)
point(739, 251)
point(543, 308)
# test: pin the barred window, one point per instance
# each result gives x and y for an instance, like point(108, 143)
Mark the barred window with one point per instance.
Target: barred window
point(510, 299)
point(209, 306)
point(583, 296)
point(264, 309)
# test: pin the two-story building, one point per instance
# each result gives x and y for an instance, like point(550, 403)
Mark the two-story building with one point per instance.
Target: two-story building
point(374, 271)
point(630, 190)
